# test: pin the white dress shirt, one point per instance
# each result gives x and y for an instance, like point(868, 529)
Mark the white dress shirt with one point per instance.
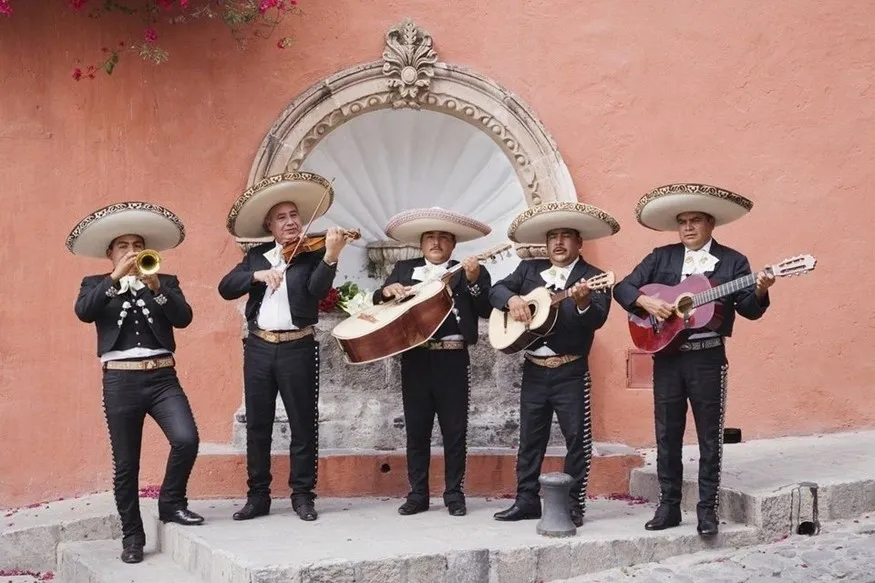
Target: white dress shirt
point(275, 314)
point(699, 262)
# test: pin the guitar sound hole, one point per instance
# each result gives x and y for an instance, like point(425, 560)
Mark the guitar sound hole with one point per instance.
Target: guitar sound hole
point(685, 305)
point(531, 308)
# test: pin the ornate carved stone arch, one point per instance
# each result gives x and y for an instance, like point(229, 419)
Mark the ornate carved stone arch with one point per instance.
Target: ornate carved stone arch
point(409, 76)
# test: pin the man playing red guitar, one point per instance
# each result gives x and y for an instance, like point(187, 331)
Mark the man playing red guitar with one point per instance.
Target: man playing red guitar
point(695, 367)
point(556, 368)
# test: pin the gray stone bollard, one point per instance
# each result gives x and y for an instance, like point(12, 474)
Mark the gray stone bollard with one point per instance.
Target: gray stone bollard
point(556, 511)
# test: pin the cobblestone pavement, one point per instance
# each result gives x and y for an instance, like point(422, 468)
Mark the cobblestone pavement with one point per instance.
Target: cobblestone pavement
point(844, 551)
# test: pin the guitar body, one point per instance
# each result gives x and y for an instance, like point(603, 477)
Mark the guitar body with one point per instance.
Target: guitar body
point(509, 336)
point(650, 336)
point(394, 326)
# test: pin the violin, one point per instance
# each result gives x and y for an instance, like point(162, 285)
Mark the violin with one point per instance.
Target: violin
point(311, 243)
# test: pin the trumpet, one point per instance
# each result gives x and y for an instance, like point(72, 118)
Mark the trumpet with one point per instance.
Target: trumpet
point(148, 262)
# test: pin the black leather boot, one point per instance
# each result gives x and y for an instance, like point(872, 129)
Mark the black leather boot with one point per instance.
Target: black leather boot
point(666, 516)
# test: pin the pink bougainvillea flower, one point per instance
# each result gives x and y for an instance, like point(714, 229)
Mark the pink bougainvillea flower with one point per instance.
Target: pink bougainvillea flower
point(150, 34)
point(77, 4)
point(77, 73)
point(266, 5)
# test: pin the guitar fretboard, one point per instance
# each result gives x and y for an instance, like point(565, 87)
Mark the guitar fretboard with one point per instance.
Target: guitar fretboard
point(715, 293)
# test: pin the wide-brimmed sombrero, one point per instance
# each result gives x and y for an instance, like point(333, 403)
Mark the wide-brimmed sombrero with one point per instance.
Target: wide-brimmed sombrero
point(408, 226)
point(305, 189)
point(159, 228)
point(659, 208)
point(532, 225)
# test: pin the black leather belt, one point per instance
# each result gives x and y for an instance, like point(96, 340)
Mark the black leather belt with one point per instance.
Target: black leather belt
point(703, 344)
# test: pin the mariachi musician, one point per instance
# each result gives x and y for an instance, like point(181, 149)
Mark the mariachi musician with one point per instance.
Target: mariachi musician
point(285, 279)
point(556, 369)
point(695, 370)
point(134, 310)
point(435, 376)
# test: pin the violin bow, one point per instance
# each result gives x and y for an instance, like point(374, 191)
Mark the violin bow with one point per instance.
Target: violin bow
point(304, 234)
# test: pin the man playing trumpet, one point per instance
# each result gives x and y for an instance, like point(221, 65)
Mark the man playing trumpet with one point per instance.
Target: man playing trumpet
point(135, 315)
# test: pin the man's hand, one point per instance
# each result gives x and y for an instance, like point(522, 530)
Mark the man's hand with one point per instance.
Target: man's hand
point(124, 267)
point(151, 281)
point(272, 278)
point(519, 310)
point(395, 290)
point(472, 268)
point(764, 282)
point(580, 294)
point(335, 240)
point(659, 309)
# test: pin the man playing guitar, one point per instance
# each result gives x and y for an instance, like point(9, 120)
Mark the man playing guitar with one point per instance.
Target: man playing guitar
point(435, 375)
point(556, 369)
point(697, 368)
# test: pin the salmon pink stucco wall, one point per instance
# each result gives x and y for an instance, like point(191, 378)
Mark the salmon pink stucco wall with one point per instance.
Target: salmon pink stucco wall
point(773, 100)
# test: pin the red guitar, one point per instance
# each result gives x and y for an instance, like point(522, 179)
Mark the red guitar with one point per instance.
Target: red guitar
point(694, 305)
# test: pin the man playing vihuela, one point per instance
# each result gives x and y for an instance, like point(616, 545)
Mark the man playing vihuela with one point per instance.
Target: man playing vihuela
point(134, 314)
point(435, 376)
point(281, 353)
point(556, 374)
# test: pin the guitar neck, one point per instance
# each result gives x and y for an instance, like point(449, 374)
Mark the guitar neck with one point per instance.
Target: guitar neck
point(723, 290)
point(559, 296)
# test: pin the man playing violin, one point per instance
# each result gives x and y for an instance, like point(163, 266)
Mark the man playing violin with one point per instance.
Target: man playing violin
point(281, 353)
point(556, 368)
point(435, 375)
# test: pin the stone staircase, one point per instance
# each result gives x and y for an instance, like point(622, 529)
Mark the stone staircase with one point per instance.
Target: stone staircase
point(359, 540)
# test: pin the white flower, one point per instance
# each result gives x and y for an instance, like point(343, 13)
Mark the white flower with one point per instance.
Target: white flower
point(361, 301)
point(150, 320)
point(145, 311)
point(126, 305)
point(123, 313)
point(141, 303)
point(119, 323)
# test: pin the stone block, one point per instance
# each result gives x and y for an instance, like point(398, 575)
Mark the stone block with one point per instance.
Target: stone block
point(426, 568)
point(467, 567)
point(513, 566)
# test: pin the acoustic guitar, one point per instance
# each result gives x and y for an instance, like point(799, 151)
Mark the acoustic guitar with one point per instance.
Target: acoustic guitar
point(694, 304)
point(508, 335)
point(400, 324)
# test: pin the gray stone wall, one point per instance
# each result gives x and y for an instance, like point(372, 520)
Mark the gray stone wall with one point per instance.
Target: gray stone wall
point(360, 405)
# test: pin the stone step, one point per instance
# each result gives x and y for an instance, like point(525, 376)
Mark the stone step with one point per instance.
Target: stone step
point(760, 478)
point(29, 536)
point(98, 562)
point(364, 540)
point(220, 471)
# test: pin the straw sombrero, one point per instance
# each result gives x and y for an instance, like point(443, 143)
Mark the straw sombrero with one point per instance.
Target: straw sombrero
point(159, 228)
point(532, 225)
point(305, 189)
point(659, 208)
point(408, 226)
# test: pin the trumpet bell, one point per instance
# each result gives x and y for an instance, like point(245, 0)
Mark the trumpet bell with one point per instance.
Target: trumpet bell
point(148, 261)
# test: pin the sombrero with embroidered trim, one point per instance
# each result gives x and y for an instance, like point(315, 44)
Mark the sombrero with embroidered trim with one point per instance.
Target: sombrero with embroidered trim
point(659, 208)
point(408, 226)
point(304, 189)
point(160, 228)
point(532, 225)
